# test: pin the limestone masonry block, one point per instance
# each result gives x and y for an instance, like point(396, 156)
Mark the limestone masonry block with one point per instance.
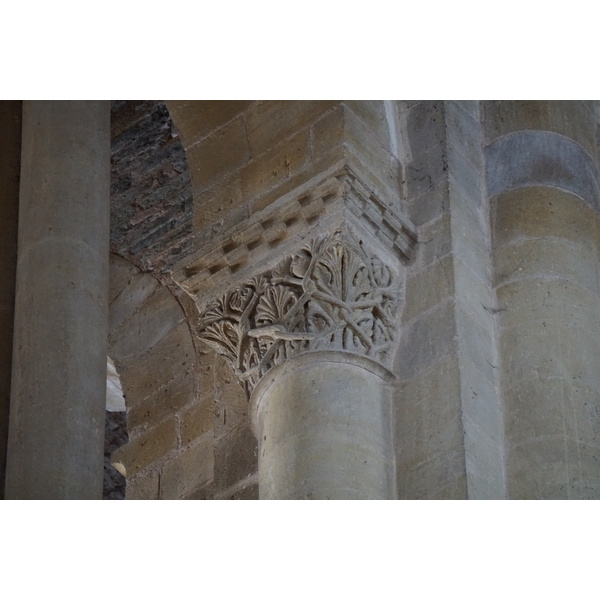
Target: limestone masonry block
point(223, 152)
point(429, 287)
point(143, 487)
point(426, 126)
point(153, 320)
point(157, 405)
point(196, 119)
point(426, 340)
point(197, 420)
point(275, 166)
point(190, 470)
point(270, 123)
point(150, 446)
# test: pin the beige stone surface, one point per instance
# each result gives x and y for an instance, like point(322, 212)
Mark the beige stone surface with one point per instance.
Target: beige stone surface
point(271, 122)
point(428, 430)
point(147, 410)
point(196, 119)
point(426, 340)
point(547, 258)
point(170, 357)
point(276, 166)
point(325, 431)
point(151, 322)
point(224, 151)
point(143, 487)
point(537, 212)
point(197, 420)
point(148, 447)
point(189, 471)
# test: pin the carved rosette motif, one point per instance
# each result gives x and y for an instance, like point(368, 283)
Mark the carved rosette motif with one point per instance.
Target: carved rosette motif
point(331, 295)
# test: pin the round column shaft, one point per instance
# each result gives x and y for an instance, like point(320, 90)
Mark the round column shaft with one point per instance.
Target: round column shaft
point(543, 180)
point(324, 425)
point(60, 336)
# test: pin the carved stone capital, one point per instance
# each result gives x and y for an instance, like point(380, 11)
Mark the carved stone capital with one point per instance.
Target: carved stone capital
point(334, 292)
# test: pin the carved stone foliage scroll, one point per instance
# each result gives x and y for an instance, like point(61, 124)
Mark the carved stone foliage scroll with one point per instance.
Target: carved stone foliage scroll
point(332, 294)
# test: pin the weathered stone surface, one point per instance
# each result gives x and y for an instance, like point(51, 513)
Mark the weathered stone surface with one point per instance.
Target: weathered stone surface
point(223, 152)
point(151, 192)
point(153, 320)
point(531, 158)
point(428, 428)
point(129, 289)
point(61, 309)
point(547, 258)
point(426, 127)
point(190, 470)
point(248, 493)
point(334, 292)
point(426, 171)
point(572, 119)
point(148, 447)
point(147, 410)
point(172, 356)
point(269, 123)
point(196, 119)
point(236, 457)
point(429, 287)
point(538, 212)
point(372, 114)
point(324, 428)
point(143, 487)
point(429, 206)
point(196, 421)
point(341, 135)
point(276, 166)
point(426, 340)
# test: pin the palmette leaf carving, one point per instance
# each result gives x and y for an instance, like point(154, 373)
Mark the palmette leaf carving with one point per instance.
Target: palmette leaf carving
point(332, 294)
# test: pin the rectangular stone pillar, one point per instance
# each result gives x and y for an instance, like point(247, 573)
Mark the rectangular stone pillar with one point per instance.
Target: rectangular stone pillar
point(56, 429)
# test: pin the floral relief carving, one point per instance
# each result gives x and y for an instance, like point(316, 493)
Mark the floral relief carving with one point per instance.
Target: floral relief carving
point(331, 295)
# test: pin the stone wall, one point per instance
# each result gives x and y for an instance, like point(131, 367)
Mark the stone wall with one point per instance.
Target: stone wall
point(495, 393)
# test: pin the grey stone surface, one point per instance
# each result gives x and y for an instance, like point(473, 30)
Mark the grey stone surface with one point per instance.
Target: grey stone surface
point(534, 158)
point(61, 317)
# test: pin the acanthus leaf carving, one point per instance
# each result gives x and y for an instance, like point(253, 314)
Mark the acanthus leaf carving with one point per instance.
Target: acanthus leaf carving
point(331, 294)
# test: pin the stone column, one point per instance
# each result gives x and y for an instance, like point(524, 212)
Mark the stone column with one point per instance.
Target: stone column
point(324, 425)
point(542, 177)
point(312, 339)
point(60, 335)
